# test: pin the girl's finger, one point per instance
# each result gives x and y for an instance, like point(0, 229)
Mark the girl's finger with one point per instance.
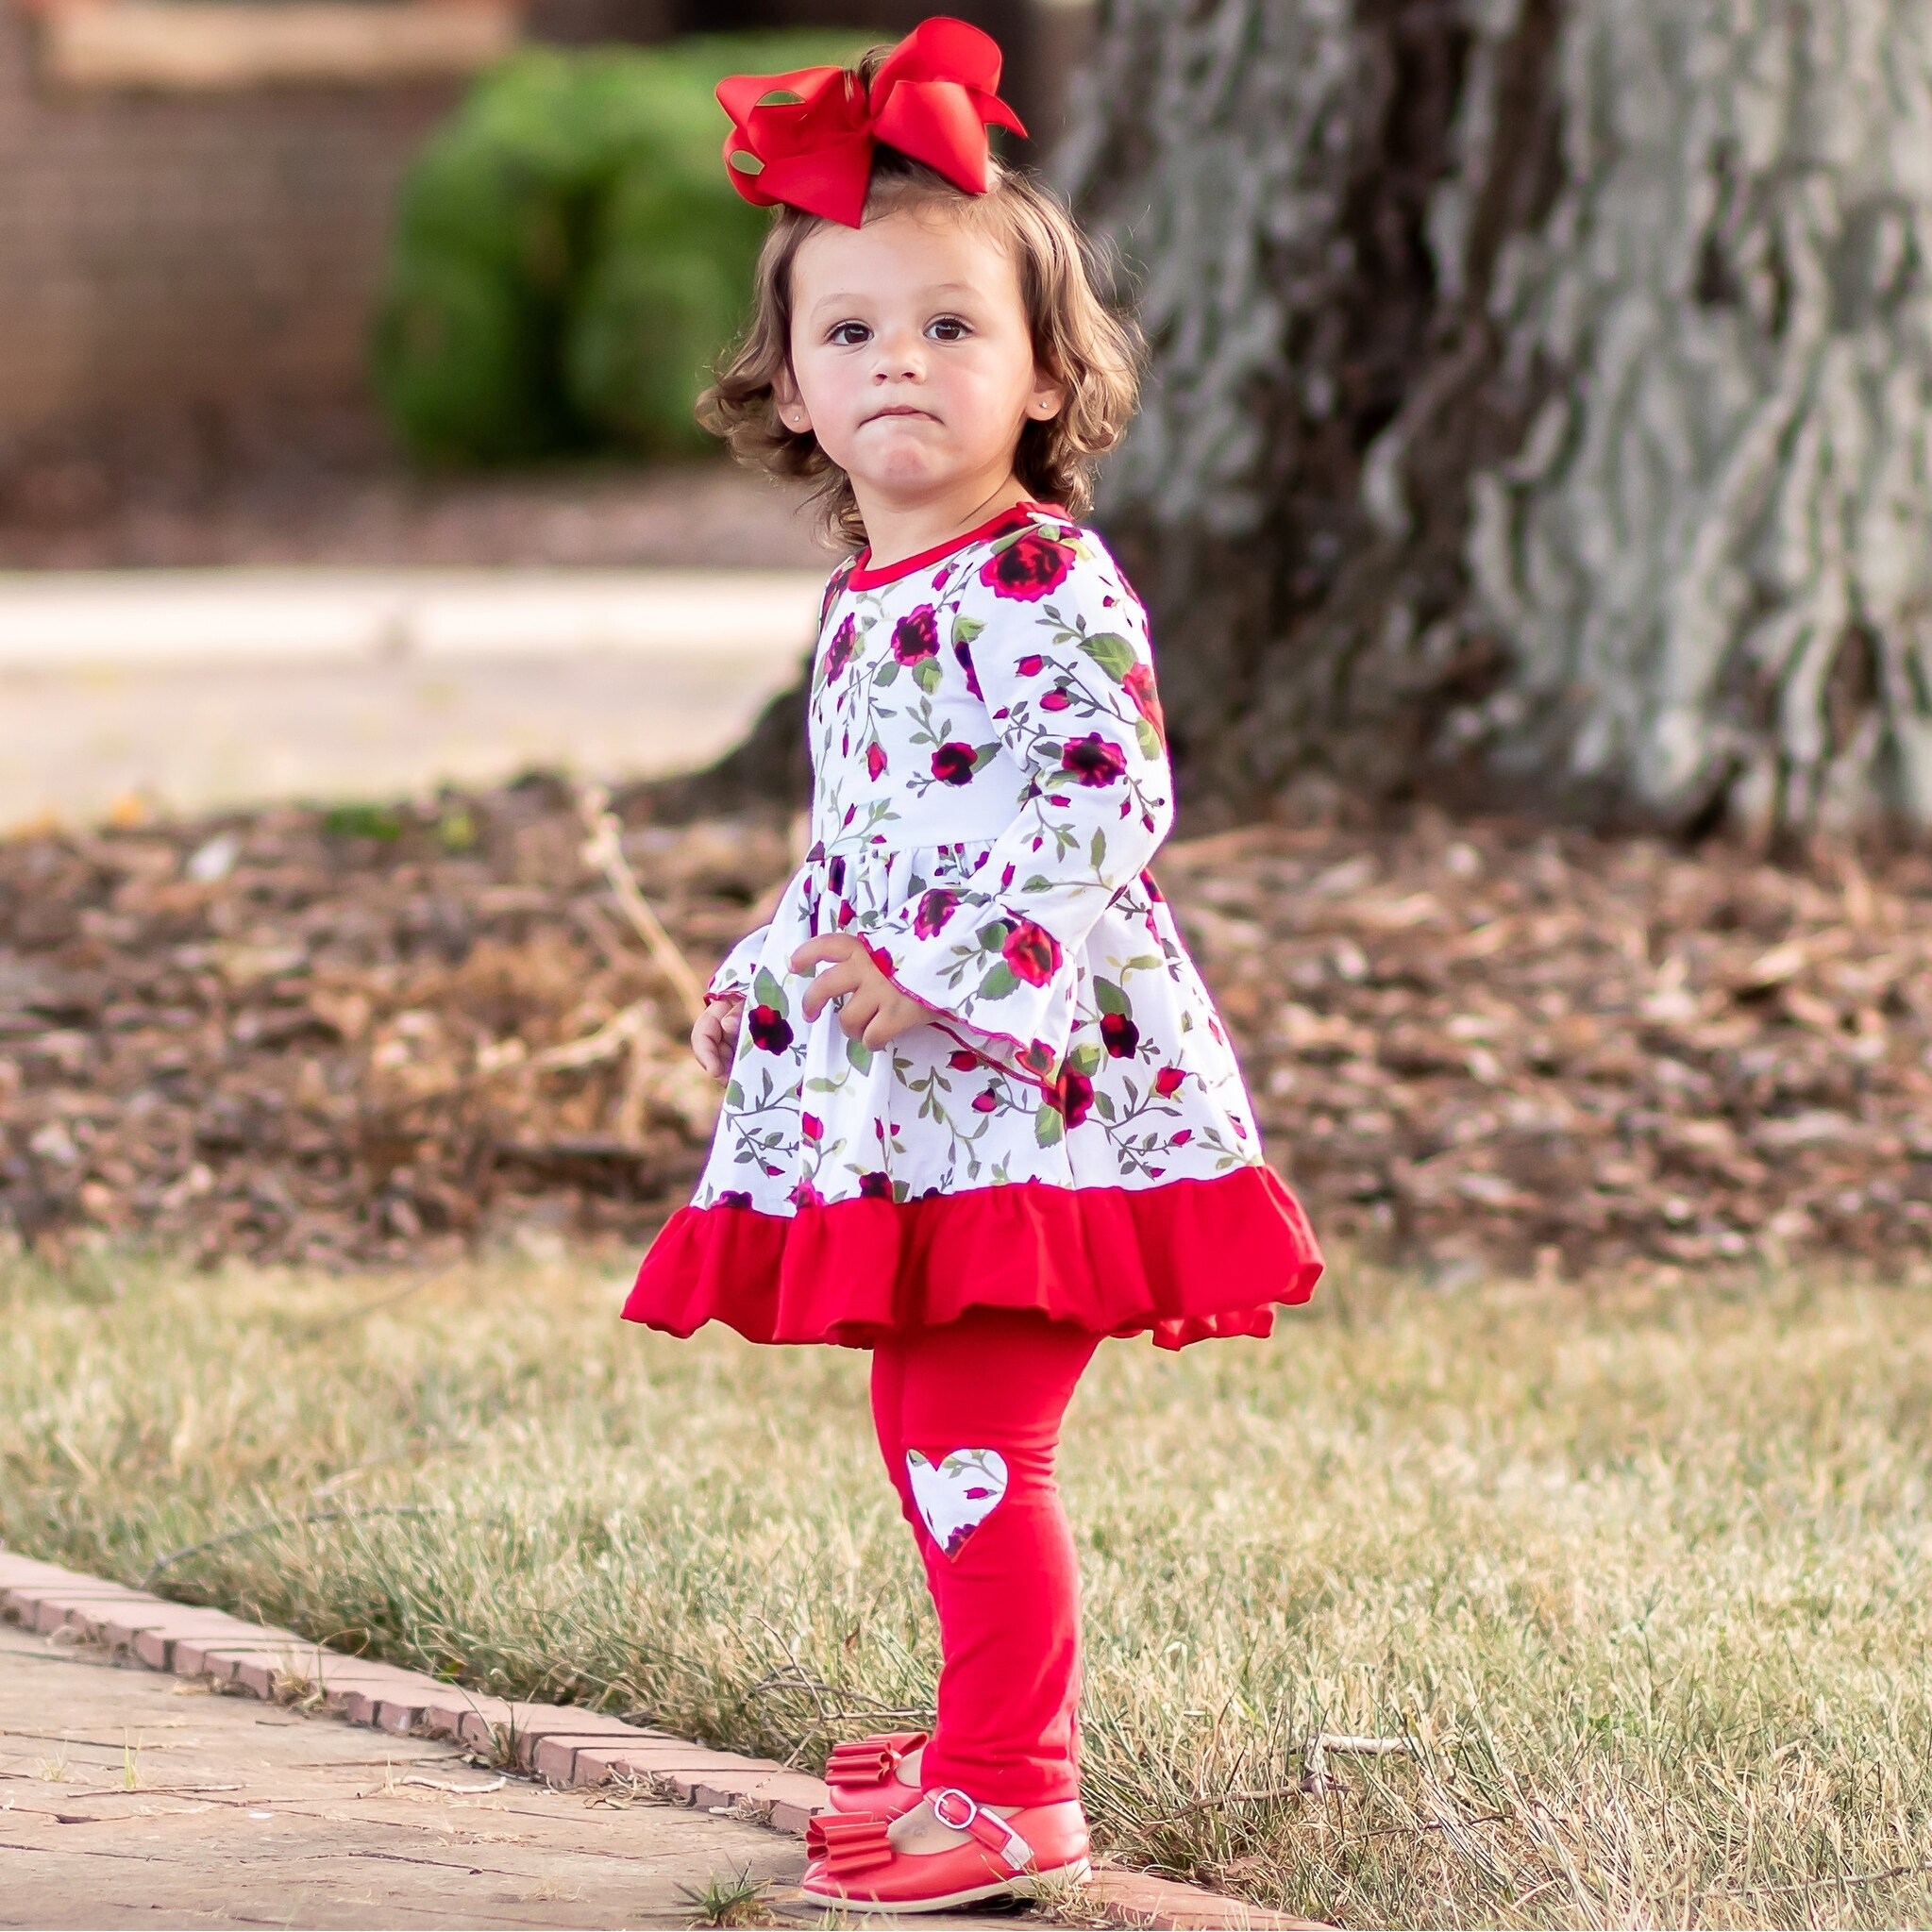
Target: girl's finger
point(838, 946)
point(829, 985)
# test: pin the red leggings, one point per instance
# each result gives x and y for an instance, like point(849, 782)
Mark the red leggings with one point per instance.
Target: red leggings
point(968, 1418)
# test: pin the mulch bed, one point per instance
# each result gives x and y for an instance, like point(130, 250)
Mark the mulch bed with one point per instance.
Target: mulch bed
point(383, 1035)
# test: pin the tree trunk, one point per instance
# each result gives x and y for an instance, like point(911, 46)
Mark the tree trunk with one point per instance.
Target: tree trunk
point(1541, 399)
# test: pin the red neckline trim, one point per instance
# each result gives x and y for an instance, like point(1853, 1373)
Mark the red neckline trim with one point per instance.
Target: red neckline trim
point(865, 578)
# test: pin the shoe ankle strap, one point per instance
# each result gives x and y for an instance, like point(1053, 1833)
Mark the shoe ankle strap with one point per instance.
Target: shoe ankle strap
point(958, 1812)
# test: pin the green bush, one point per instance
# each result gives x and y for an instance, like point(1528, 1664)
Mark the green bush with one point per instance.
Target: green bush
point(569, 256)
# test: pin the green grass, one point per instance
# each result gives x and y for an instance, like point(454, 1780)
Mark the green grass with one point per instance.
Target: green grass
point(1644, 1579)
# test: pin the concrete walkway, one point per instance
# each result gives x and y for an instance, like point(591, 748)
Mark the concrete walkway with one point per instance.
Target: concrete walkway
point(201, 688)
point(131, 1798)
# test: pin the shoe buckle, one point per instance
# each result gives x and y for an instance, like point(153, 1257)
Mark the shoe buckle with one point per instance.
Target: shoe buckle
point(958, 1812)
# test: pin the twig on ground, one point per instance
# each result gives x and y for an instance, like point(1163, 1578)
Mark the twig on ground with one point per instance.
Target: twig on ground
point(283, 1522)
point(1820, 1884)
point(1317, 1752)
point(496, 1784)
point(343, 1316)
point(604, 848)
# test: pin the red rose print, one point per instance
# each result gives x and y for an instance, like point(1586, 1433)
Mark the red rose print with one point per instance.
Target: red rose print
point(875, 758)
point(1032, 954)
point(734, 1197)
point(917, 637)
point(1073, 1097)
point(875, 1186)
point(811, 1126)
point(769, 1028)
point(986, 1100)
point(933, 909)
point(806, 1195)
point(1139, 685)
point(1093, 760)
point(1056, 699)
point(1036, 1057)
point(838, 653)
point(880, 958)
point(952, 764)
point(1118, 1035)
point(1031, 667)
point(1168, 1081)
point(1152, 890)
point(961, 1062)
point(963, 652)
point(1026, 568)
point(1180, 1139)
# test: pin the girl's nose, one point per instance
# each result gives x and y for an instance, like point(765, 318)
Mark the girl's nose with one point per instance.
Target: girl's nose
point(902, 359)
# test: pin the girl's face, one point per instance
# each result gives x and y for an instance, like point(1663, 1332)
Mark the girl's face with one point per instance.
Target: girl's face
point(911, 361)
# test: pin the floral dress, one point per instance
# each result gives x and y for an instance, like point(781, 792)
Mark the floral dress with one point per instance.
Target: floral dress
point(1070, 1133)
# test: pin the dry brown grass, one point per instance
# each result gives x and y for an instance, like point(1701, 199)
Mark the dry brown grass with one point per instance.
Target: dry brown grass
point(1644, 1580)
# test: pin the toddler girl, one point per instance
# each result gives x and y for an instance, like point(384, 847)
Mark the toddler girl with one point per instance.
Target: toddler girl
point(979, 1111)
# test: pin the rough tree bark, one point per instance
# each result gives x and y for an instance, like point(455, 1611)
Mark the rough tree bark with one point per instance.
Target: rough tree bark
point(1541, 397)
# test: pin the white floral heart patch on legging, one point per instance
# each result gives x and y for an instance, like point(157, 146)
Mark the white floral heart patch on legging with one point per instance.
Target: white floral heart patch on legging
point(958, 1494)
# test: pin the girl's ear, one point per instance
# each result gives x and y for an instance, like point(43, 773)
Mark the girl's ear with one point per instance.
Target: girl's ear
point(1047, 397)
point(791, 408)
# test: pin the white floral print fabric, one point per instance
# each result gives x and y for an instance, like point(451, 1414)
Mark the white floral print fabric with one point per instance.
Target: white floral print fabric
point(990, 782)
point(955, 1495)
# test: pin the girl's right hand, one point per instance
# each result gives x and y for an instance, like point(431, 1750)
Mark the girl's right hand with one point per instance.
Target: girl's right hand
point(715, 1038)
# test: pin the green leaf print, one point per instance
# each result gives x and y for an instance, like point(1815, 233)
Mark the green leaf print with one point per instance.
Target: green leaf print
point(926, 675)
point(1048, 1125)
point(1108, 997)
point(1149, 738)
point(1112, 652)
point(1085, 1058)
point(965, 629)
point(1038, 883)
point(734, 1094)
point(981, 753)
point(998, 981)
point(885, 673)
point(860, 1055)
point(1096, 851)
point(765, 991)
point(992, 936)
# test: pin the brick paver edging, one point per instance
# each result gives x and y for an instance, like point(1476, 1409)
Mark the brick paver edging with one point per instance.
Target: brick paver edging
point(555, 1742)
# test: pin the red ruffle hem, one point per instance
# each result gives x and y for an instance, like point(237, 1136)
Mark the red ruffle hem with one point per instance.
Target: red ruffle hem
point(1184, 1261)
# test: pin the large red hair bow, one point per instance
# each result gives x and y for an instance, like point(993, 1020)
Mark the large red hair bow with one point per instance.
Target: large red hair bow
point(931, 99)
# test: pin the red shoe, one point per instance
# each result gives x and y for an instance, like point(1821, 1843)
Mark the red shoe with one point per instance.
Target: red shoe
point(872, 1774)
point(855, 1864)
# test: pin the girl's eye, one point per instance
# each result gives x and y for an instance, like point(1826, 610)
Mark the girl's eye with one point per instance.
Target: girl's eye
point(948, 328)
point(849, 335)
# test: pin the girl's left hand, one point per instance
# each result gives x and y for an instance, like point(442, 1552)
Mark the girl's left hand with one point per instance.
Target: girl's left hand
point(875, 1011)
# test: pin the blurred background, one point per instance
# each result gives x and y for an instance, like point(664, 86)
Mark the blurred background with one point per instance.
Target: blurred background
point(399, 704)
point(382, 292)
point(1532, 492)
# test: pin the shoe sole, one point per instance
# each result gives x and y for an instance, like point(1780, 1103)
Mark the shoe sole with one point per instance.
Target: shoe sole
point(1024, 1886)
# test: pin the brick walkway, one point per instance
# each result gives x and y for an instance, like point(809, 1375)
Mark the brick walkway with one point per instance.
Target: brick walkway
point(232, 1814)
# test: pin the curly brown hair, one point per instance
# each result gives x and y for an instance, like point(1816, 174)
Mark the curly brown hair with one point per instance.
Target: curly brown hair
point(1078, 340)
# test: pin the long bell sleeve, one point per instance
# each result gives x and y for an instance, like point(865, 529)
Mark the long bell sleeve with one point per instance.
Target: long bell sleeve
point(1056, 645)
